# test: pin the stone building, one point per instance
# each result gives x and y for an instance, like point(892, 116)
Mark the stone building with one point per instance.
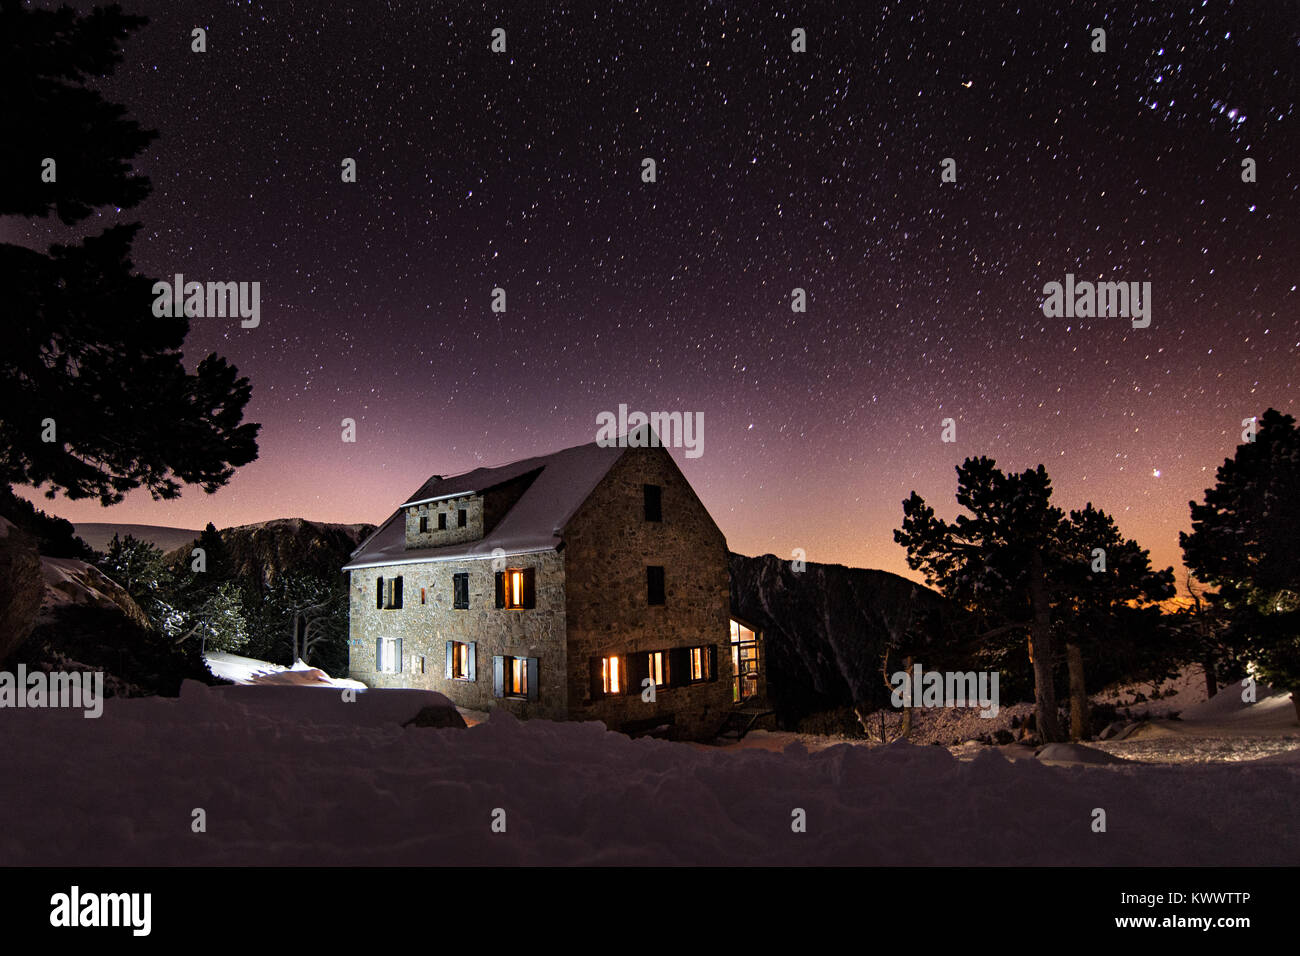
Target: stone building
point(590, 584)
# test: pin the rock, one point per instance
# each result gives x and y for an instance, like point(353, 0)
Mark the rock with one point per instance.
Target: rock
point(22, 587)
point(1075, 754)
point(1003, 737)
point(1111, 729)
point(436, 716)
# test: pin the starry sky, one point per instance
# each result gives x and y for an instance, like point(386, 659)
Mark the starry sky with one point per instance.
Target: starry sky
point(776, 170)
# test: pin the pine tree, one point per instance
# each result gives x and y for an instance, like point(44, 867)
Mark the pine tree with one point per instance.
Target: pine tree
point(1244, 542)
point(1104, 577)
point(997, 560)
point(94, 398)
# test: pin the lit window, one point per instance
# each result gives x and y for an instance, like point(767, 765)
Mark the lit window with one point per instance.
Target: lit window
point(698, 662)
point(612, 675)
point(515, 588)
point(461, 656)
point(655, 668)
point(516, 677)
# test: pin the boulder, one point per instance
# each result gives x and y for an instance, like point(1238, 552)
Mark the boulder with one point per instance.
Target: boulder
point(22, 587)
point(1111, 729)
point(436, 716)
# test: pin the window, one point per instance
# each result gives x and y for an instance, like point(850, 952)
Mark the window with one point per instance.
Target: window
point(692, 665)
point(424, 524)
point(656, 668)
point(461, 661)
point(388, 655)
point(654, 581)
point(515, 677)
point(442, 521)
point(462, 518)
point(516, 588)
point(611, 675)
point(460, 590)
point(653, 503)
point(388, 593)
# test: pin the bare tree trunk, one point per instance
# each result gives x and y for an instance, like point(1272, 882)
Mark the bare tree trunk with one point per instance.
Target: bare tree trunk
point(1078, 693)
point(906, 729)
point(1040, 652)
point(1211, 685)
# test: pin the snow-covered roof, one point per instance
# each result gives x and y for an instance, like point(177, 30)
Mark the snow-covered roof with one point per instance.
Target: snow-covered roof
point(535, 523)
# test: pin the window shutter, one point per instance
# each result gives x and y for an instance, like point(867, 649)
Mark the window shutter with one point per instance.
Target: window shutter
point(532, 678)
point(451, 651)
point(679, 666)
point(398, 668)
point(634, 669)
point(530, 588)
point(713, 662)
point(379, 592)
point(397, 591)
point(379, 654)
point(498, 677)
point(473, 662)
point(501, 589)
point(597, 679)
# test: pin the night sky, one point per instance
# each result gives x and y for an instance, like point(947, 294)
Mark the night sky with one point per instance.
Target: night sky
point(776, 170)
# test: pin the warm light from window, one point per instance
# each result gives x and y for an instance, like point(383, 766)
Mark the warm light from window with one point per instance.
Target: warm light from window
point(657, 668)
point(516, 584)
point(613, 678)
point(697, 663)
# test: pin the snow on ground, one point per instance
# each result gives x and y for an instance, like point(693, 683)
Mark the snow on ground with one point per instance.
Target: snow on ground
point(248, 670)
point(288, 776)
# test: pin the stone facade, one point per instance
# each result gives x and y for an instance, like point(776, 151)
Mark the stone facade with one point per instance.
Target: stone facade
point(608, 545)
point(427, 620)
point(591, 601)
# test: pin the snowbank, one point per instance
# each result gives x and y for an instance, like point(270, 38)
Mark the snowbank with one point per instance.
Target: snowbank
point(296, 777)
point(248, 670)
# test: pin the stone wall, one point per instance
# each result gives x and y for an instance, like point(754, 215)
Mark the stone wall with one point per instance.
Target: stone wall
point(608, 545)
point(425, 629)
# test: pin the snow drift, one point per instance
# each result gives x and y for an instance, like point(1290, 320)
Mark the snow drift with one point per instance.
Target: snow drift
point(295, 776)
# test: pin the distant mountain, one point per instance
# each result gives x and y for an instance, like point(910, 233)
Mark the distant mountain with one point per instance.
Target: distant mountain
point(264, 550)
point(98, 534)
point(825, 629)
